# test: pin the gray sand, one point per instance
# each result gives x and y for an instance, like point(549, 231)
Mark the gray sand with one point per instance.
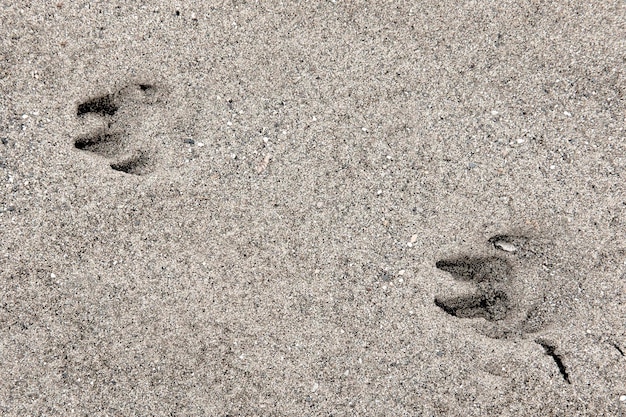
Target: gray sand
point(346, 208)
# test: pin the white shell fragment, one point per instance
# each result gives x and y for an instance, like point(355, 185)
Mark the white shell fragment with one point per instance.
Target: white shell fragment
point(505, 246)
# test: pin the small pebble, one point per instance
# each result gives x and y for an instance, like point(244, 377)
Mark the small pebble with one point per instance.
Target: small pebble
point(622, 398)
point(189, 141)
point(505, 246)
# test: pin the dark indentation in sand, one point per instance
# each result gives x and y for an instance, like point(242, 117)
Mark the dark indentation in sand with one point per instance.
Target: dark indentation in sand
point(476, 269)
point(491, 276)
point(507, 239)
point(137, 165)
point(104, 106)
point(110, 142)
point(104, 144)
point(550, 350)
point(619, 349)
point(492, 306)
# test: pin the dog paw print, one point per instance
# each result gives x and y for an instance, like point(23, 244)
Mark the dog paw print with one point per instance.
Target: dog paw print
point(491, 276)
point(117, 124)
point(509, 293)
point(508, 304)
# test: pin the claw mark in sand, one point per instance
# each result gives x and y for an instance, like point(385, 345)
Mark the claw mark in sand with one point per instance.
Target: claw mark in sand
point(551, 351)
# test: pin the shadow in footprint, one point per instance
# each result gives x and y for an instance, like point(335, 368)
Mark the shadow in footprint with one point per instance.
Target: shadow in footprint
point(492, 306)
point(104, 106)
point(104, 144)
point(146, 87)
point(477, 269)
point(137, 165)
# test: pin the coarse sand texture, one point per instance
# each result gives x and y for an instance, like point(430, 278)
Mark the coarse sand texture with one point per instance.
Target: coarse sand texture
point(333, 208)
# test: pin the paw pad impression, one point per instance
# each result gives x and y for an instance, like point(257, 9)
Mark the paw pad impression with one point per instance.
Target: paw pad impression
point(113, 141)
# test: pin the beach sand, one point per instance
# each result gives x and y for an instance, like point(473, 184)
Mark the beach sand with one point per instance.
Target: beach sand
point(325, 209)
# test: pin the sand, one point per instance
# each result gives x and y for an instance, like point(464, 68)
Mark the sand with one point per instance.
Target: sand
point(323, 209)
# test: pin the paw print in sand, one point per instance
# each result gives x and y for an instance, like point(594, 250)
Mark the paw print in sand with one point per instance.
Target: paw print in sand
point(513, 293)
point(491, 276)
point(510, 290)
point(117, 125)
